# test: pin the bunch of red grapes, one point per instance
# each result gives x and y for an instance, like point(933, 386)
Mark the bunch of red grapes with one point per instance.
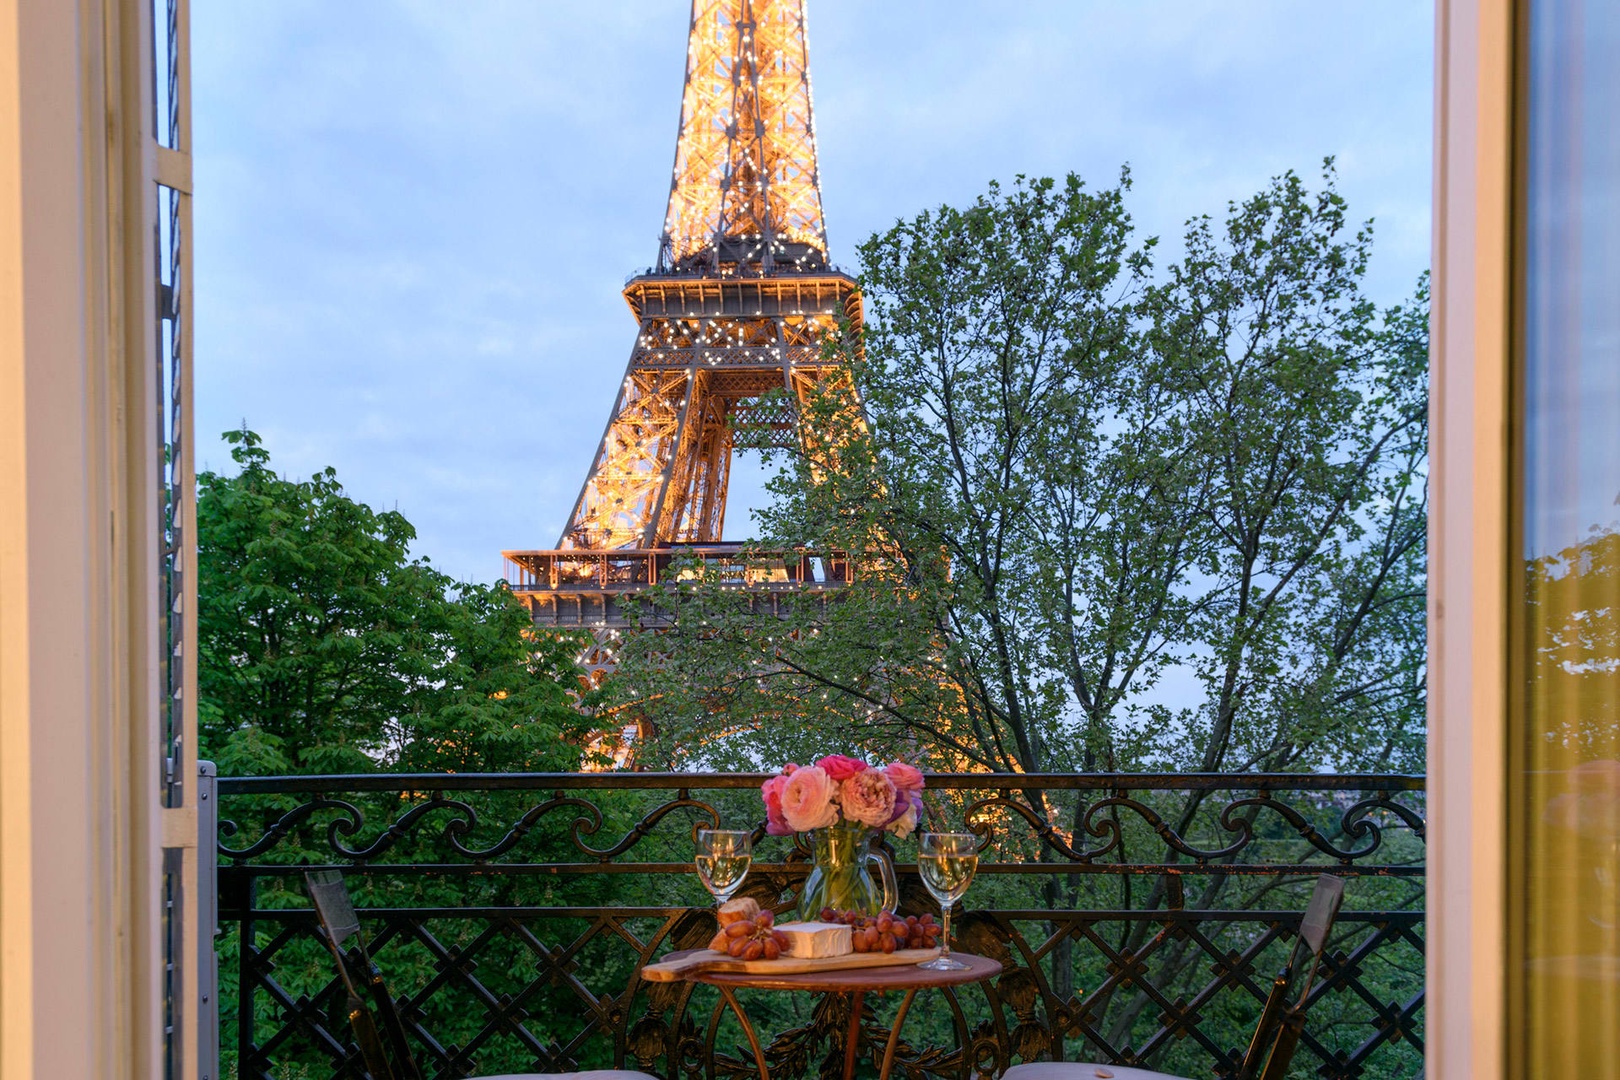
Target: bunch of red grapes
point(886, 931)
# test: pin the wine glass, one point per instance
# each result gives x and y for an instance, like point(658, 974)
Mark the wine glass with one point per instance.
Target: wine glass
point(722, 860)
point(947, 862)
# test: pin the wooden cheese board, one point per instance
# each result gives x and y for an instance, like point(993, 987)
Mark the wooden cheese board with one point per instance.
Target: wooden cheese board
point(712, 960)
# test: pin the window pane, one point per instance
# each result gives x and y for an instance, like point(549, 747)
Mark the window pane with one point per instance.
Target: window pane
point(1567, 725)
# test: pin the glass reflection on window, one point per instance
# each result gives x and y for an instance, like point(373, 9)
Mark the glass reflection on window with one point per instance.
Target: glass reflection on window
point(1567, 725)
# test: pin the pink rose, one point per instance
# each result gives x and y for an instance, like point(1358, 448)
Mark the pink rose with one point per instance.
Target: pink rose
point(908, 781)
point(840, 768)
point(771, 792)
point(869, 798)
point(809, 799)
point(907, 778)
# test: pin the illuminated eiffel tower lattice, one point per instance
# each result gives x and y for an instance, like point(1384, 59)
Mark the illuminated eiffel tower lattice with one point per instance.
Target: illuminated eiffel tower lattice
point(732, 320)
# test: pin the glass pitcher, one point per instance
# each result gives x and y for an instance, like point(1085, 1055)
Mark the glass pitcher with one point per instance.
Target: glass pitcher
point(840, 877)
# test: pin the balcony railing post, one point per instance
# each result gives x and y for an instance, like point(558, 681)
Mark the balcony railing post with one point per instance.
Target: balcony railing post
point(207, 921)
point(245, 988)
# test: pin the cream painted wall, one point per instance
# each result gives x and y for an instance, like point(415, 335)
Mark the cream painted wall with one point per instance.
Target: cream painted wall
point(1468, 536)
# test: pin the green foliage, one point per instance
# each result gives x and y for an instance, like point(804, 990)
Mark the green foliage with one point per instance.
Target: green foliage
point(324, 648)
point(1103, 516)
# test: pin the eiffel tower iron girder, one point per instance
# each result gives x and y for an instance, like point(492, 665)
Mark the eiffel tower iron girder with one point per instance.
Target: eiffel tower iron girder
point(707, 367)
point(745, 187)
point(732, 319)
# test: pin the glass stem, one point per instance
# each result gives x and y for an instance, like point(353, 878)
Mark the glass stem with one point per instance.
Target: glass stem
point(945, 934)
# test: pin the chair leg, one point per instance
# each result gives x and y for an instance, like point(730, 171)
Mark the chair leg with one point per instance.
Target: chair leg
point(1282, 1051)
point(371, 1048)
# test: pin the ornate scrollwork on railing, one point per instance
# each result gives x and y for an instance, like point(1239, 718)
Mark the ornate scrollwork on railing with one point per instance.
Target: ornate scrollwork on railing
point(588, 821)
point(645, 826)
point(1355, 823)
point(979, 818)
point(404, 827)
point(454, 832)
point(523, 953)
point(1100, 820)
point(351, 823)
point(1306, 831)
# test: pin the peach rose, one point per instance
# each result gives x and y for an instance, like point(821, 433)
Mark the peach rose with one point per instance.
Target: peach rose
point(809, 799)
point(868, 798)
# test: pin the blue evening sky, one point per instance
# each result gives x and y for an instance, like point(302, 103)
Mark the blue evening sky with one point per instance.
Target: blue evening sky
point(413, 219)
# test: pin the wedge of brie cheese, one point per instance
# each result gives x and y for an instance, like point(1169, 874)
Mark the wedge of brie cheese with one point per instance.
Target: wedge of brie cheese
point(814, 940)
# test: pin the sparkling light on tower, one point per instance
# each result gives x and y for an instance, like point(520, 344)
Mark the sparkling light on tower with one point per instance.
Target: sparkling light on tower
point(732, 321)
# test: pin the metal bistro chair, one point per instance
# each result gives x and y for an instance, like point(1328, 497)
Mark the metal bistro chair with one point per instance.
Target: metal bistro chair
point(361, 980)
point(1282, 1019)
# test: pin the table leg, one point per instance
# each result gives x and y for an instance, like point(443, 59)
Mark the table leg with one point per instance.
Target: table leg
point(852, 1041)
point(894, 1035)
point(748, 1030)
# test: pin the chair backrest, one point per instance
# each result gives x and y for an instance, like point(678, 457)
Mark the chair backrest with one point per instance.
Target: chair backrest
point(1282, 1019)
point(332, 905)
point(340, 924)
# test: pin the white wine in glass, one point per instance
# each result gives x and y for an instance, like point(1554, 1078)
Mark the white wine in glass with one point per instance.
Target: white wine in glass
point(722, 860)
point(947, 862)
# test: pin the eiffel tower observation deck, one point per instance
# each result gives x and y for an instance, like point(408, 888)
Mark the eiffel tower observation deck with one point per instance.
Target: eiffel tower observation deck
point(732, 320)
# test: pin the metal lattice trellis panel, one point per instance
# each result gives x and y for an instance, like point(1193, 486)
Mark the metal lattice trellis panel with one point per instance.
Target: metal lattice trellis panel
point(511, 915)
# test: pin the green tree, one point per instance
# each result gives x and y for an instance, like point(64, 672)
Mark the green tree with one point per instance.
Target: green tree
point(325, 648)
point(1308, 408)
point(1105, 517)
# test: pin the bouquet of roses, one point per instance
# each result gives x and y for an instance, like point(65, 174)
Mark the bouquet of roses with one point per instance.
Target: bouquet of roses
point(843, 789)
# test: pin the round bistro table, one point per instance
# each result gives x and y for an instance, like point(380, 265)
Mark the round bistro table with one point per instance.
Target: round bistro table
point(855, 982)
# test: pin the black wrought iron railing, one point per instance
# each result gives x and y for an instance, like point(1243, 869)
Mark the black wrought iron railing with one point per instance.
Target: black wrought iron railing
point(1139, 920)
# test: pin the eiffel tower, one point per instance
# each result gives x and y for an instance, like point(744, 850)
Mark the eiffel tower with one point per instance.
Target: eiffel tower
point(732, 320)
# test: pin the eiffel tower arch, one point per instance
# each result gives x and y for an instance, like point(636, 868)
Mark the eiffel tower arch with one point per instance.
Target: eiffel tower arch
point(731, 323)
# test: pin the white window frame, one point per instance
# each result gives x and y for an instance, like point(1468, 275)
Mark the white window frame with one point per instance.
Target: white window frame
point(83, 827)
point(1468, 540)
